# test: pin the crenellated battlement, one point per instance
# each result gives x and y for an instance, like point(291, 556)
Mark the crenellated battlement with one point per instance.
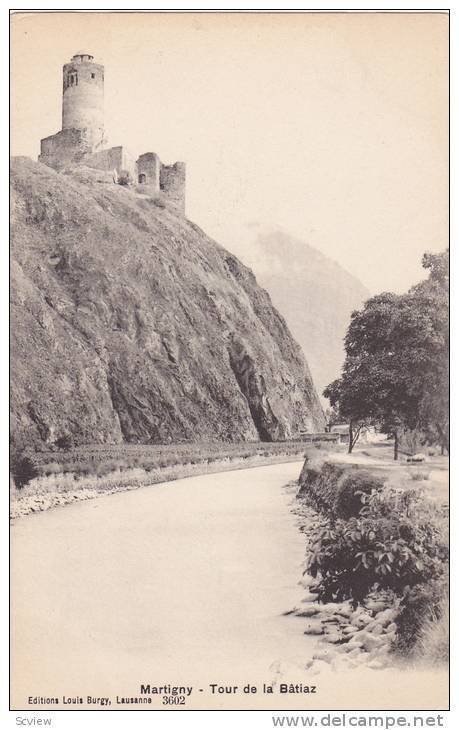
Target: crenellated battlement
point(82, 141)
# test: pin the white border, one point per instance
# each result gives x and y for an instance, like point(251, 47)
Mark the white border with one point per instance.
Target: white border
point(210, 719)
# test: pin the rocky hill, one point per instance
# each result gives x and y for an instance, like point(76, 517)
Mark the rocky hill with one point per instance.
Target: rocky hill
point(130, 324)
point(315, 295)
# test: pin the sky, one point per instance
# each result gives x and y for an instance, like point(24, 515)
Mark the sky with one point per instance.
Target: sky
point(331, 126)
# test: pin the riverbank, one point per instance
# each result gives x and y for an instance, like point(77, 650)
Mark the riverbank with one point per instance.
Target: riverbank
point(377, 539)
point(62, 483)
point(191, 581)
point(350, 637)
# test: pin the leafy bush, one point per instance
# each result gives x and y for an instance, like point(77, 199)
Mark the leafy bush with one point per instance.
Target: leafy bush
point(418, 476)
point(85, 469)
point(64, 442)
point(52, 468)
point(24, 468)
point(124, 178)
point(98, 460)
point(336, 491)
point(352, 491)
point(108, 467)
point(394, 543)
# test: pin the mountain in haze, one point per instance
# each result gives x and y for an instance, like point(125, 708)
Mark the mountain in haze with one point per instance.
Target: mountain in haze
point(315, 295)
point(129, 324)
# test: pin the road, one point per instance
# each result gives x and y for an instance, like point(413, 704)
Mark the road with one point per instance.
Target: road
point(182, 583)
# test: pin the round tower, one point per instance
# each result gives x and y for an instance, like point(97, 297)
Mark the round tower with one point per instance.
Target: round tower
point(83, 97)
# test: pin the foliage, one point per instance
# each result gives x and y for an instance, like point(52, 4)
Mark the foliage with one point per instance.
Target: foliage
point(101, 459)
point(395, 543)
point(333, 417)
point(64, 442)
point(422, 605)
point(431, 380)
point(419, 476)
point(432, 641)
point(348, 500)
point(24, 468)
point(336, 491)
point(49, 469)
point(396, 368)
point(438, 265)
point(124, 178)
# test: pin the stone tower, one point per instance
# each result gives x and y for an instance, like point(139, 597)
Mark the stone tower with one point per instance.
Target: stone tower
point(149, 169)
point(83, 97)
point(81, 141)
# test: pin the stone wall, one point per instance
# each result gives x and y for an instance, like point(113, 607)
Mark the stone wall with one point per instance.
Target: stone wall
point(74, 147)
point(172, 183)
point(148, 170)
point(69, 146)
point(113, 158)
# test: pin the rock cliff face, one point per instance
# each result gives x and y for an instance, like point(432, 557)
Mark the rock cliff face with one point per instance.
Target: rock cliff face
point(130, 324)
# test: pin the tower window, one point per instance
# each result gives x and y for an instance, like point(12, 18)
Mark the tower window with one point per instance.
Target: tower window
point(142, 178)
point(93, 76)
point(72, 79)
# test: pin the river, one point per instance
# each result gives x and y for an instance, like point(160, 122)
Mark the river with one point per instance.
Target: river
point(181, 583)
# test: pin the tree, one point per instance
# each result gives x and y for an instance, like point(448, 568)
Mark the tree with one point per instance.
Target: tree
point(369, 391)
point(24, 468)
point(396, 367)
point(430, 378)
point(332, 418)
point(345, 399)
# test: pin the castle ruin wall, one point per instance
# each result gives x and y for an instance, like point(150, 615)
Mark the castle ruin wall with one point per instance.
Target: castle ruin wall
point(113, 158)
point(148, 170)
point(81, 142)
point(67, 147)
point(172, 182)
